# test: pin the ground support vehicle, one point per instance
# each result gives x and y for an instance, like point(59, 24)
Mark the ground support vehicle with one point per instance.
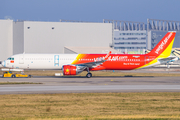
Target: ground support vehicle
point(15, 75)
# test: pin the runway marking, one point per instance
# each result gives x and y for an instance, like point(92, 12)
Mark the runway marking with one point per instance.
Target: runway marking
point(102, 84)
point(86, 88)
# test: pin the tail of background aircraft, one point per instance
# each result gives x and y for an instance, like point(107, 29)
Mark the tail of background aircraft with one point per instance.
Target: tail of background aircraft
point(163, 48)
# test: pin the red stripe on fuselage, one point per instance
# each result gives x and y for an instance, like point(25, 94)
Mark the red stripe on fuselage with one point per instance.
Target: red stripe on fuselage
point(117, 61)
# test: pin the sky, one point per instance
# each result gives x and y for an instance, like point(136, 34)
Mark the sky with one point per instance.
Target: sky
point(90, 10)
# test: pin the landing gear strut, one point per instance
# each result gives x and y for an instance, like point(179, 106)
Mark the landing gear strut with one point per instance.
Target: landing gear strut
point(88, 74)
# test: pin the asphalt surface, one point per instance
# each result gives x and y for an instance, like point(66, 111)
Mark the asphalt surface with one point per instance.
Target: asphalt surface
point(95, 84)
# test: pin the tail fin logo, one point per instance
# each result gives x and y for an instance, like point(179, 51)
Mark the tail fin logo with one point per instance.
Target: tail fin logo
point(160, 47)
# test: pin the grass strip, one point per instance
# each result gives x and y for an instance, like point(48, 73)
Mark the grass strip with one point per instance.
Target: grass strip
point(96, 106)
point(7, 83)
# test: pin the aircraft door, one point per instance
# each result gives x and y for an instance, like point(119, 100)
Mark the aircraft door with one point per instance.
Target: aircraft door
point(56, 60)
point(146, 59)
point(21, 59)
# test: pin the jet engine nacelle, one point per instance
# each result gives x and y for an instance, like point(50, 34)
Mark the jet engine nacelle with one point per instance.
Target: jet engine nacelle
point(72, 69)
point(69, 70)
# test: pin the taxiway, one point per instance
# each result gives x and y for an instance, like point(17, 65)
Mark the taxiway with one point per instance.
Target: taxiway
point(94, 84)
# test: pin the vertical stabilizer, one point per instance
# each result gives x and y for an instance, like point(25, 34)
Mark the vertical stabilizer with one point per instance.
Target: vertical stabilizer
point(163, 48)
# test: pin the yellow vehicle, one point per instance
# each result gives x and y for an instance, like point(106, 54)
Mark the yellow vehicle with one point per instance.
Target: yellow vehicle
point(10, 74)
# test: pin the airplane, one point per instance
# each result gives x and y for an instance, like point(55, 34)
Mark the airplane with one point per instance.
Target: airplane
point(73, 64)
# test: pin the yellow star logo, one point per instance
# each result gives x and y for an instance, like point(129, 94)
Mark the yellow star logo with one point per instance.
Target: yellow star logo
point(67, 70)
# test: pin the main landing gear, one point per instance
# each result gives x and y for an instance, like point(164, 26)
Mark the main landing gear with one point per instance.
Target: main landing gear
point(88, 74)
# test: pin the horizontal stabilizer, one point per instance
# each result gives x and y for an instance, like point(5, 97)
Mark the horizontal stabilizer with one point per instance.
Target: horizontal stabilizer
point(168, 59)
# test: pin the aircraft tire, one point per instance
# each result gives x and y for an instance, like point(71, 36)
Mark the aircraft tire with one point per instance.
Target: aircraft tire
point(13, 76)
point(89, 75)
point(29, 76)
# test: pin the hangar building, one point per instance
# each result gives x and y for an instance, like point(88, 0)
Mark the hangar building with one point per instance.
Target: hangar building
point(156, 29)
point(51, 37)
point(136, 37)
point(129, 36)
point(6, 39)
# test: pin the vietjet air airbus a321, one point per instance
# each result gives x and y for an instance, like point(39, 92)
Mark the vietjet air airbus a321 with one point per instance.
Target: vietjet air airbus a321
point(73, 64)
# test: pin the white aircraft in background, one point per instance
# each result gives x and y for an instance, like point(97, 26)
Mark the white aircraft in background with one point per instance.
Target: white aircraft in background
point(73, 64)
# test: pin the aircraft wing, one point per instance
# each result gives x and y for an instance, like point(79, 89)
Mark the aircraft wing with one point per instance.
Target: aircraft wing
point(95, 63)
point(92, 64)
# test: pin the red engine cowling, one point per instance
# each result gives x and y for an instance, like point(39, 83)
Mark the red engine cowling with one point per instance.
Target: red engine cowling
point(69, 70)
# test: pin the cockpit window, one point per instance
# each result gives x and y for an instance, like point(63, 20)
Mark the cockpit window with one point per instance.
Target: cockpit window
point(10, 59)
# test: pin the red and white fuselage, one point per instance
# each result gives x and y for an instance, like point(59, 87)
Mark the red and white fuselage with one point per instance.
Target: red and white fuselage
point(93, 62)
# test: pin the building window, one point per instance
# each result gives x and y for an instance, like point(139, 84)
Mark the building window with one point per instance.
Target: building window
point(129, 47)
point(143, 38)
point(132, 33)
point(130, 38)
